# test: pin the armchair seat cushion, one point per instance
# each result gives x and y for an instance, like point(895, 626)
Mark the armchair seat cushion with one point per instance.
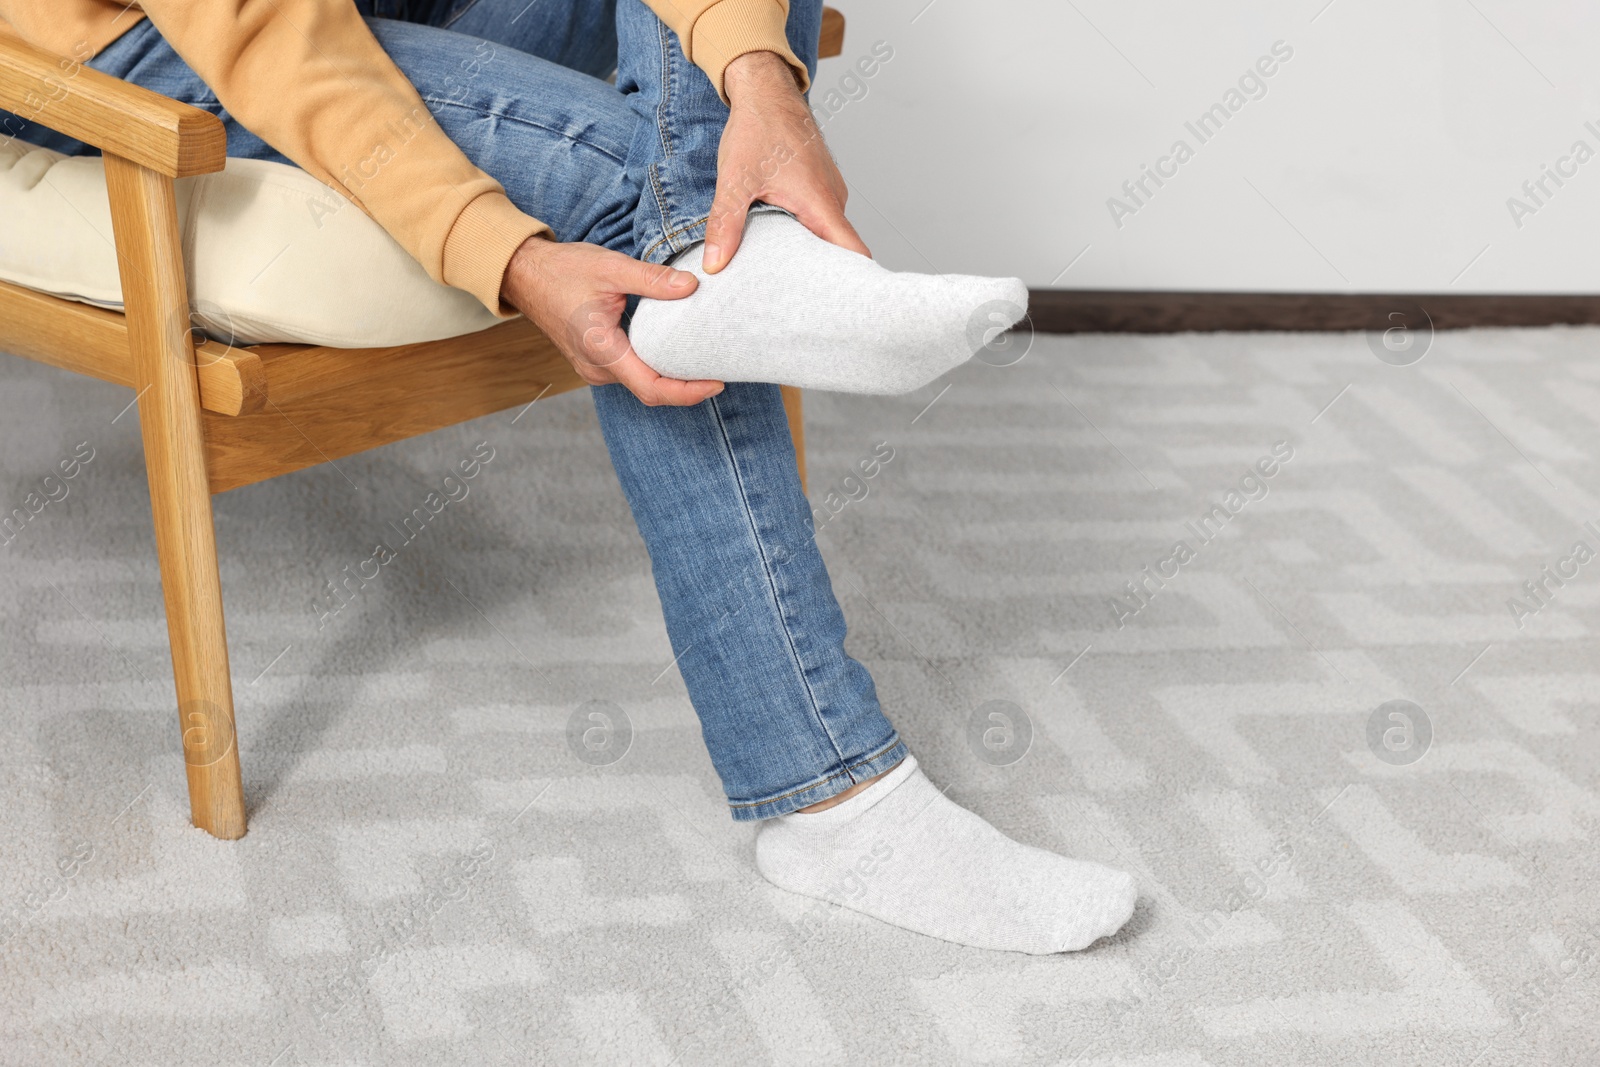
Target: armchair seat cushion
point(272, 254)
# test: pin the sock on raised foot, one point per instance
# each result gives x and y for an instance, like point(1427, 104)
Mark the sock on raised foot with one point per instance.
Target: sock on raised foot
point(793, 309)
point(901, 851)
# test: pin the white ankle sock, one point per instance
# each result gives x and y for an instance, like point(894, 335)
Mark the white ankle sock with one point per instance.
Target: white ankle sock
point(902, 852)
point(793, 309)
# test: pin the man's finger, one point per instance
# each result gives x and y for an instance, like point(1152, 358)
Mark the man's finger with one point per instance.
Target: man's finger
point(724, 229)
point(653, 389)
point(655, 280)
point(828, 222)
point(650, 387)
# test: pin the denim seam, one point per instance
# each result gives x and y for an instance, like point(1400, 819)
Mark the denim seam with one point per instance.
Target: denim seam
point(757, 208)
point(664, 134)
point(846, 768)
point(654, 173)
point(663, 122)
point(506, 117)
point(772, 584)
point(667, 237)
point(459, 12)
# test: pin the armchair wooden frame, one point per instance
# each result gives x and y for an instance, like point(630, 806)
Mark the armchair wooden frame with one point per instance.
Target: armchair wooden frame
point(214, 417)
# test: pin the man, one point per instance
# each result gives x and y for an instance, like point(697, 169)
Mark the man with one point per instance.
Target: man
point(480, 134)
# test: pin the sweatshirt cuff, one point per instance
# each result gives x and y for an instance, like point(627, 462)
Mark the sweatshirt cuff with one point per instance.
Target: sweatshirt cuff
point(478, 250)
point(732, 28)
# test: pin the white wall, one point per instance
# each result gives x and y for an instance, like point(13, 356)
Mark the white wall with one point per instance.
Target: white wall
point(1391, 140)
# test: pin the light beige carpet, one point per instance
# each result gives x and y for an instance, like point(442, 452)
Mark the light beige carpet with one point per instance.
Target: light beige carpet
point(433, 875)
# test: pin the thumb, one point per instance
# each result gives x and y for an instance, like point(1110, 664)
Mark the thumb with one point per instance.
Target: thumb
point(724, 230)
point(655, 280)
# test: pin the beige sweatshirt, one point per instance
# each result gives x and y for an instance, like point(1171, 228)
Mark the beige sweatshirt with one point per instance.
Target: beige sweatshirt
point(308, 77)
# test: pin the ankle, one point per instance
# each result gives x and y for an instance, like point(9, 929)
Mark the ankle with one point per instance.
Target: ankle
point(840, 798)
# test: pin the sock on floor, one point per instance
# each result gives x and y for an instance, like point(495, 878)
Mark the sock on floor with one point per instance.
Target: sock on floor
point(902, 852)
point(793, 309)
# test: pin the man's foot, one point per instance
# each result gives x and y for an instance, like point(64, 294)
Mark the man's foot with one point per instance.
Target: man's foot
point(902, 852)
point(793, 309)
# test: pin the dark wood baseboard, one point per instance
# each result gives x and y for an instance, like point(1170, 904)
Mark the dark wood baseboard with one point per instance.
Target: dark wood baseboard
point(1133, 311)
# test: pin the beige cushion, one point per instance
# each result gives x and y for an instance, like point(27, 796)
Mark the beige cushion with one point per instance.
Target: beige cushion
point(272, 254)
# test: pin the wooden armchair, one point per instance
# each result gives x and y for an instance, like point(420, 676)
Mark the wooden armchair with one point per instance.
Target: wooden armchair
point(213, 417)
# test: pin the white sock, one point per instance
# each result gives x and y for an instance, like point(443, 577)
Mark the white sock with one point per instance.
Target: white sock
point(793, 309)
point(902, 852)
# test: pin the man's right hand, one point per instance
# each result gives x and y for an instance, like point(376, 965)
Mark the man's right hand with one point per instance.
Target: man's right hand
point(576, 294)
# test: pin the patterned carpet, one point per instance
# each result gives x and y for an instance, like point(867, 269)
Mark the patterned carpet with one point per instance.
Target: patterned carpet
point(484, 830)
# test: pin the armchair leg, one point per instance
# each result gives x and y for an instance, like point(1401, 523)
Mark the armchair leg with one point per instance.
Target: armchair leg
point(792, 407)
point(150, 261)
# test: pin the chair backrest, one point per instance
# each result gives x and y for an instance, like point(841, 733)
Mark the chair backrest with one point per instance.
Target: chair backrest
point(114, 116)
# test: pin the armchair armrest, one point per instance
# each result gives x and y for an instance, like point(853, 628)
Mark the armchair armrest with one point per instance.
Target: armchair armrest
point(118, 118)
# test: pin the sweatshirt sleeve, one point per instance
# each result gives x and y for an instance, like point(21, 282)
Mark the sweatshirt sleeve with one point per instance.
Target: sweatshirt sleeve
point(714, 33)
point(308, 77)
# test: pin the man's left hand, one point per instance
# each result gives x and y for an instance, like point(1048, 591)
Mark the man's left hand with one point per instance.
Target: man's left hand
point(772, 151)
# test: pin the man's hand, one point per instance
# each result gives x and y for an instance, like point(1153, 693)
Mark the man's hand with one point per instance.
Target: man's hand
point(576, 293)
point(772, 150)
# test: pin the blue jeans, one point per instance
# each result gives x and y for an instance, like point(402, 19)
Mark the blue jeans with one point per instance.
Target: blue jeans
point(789, 718)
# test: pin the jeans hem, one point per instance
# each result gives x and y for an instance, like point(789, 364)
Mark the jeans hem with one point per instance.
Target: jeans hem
point(685, 237)
point(836, 782)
